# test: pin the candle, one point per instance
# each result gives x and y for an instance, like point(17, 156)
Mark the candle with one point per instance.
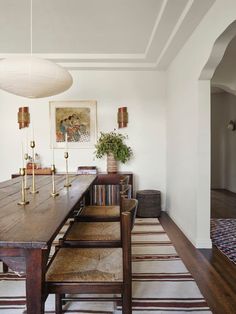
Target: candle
point(32, 133)
point(66, 142)
point(53, 161)
point(27, 142)
point(22, 153)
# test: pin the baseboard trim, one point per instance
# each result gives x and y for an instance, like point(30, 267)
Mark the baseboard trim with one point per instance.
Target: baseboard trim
point(203, 243)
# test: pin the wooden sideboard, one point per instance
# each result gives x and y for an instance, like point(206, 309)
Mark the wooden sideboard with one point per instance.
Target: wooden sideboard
point(113, 178)
point(106, 188)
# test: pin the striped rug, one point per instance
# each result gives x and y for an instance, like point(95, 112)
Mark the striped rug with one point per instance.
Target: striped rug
point(161, 282)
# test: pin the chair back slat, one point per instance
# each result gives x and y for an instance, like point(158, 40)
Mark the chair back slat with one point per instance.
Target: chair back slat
point(126, 244)
point(124, 186)
point(124, 180)
point(129, 205)
point(124, 190)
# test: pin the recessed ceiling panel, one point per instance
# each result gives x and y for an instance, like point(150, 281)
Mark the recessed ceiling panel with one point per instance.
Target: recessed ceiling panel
point(93, 26)
point(101, 34)
point(14, 26)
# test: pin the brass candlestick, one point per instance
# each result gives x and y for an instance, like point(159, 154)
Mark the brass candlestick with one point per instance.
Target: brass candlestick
point(54, 193)
point(33, 191)
point(67, 184)
point(26, 157)
point(23, 200)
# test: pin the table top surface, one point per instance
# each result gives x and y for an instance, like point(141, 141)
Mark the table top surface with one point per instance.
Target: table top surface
point(35, 225)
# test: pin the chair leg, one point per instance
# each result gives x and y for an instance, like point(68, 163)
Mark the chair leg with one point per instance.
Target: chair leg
point(63, 297)
point(58, 303)
point(5, 268)
point(127, 300)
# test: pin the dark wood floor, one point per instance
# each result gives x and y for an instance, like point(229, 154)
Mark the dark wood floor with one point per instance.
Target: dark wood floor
point(223, 204)
point(213, 272)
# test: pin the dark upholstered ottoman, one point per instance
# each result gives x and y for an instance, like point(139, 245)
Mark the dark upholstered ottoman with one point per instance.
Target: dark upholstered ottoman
point(149, 203)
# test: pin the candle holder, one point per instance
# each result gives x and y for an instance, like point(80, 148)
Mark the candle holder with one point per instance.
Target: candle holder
point(67, 184)
point(26, 157)
point(23, 199)
point(54, 193)
point(33, 191)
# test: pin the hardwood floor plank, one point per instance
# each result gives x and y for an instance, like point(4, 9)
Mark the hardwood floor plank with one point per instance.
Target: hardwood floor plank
point(219, 294)
point(223, 204)
point(225, 268)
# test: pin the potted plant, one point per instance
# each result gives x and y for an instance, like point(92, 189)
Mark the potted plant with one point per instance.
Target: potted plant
point(112, 145)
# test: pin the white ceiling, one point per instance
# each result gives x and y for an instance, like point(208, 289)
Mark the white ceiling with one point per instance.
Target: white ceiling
point(105, 34)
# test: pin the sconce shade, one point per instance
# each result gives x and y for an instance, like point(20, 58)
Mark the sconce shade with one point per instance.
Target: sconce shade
point(231, 125)
point(122, 117)
point(23, 117)
point(33, 77)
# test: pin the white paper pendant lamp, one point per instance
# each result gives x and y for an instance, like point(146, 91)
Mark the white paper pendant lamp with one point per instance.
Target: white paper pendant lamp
point(33, 77)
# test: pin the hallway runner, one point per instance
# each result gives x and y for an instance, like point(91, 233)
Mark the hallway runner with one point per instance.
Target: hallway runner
point(161, 282)
point(223, 234)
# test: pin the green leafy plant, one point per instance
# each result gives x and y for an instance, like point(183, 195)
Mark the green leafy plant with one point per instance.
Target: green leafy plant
point(113, 143)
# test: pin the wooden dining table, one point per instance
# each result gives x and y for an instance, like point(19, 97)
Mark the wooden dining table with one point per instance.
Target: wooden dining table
point(27, 232)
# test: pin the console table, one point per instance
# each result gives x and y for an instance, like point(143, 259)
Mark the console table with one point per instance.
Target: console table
point(27, 232)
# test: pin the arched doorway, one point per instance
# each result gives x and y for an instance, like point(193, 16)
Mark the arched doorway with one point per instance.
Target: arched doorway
point(204, 136)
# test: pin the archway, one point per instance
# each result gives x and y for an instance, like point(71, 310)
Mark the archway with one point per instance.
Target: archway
point(204, 127)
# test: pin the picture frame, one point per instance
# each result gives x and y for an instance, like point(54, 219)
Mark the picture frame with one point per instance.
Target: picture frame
point(73, 124)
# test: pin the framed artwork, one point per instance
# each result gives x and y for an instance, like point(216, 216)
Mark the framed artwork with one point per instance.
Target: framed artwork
point(74, 122)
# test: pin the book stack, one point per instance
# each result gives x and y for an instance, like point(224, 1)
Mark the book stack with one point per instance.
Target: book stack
point(106, 195)
point(87, 170)
point(39, 171)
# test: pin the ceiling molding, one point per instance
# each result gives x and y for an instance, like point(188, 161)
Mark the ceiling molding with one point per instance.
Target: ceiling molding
point(172, 26)
point(158, 19)
point(175, 29)
point(72, 57)
point(145, 66)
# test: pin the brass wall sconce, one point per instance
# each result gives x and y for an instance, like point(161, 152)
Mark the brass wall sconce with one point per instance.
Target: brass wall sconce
point(122, 117)
point(23, 117)
point(231, 125)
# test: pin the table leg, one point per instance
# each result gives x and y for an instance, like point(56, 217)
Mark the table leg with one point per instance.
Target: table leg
point(36, 260)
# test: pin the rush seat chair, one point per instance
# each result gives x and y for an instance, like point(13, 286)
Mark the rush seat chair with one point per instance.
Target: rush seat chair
point(100, 234)
point(94, 272)
point(105, 213)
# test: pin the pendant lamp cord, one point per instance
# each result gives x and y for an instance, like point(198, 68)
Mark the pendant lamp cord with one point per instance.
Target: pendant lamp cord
point(31, 28)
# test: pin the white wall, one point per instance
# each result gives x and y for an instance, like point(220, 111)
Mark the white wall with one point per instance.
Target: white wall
point(223, 144)
point(218, 133)
point(142, 92)
point(188, 127)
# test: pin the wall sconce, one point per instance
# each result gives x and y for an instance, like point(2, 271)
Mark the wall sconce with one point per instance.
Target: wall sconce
point(23, 117)
point(122, 117)
point(231, 125)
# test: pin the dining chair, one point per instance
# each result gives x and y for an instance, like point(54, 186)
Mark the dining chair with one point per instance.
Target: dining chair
point(104, 212)
point(94, 272)
point(100, 234)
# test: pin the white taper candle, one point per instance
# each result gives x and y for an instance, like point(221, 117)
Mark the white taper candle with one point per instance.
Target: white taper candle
point(53, 159)
point(66, 142)
point(27, 142)
point(22, 153)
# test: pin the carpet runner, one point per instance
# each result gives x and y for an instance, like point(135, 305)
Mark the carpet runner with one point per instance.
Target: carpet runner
point(161, 282)
point(223, 234)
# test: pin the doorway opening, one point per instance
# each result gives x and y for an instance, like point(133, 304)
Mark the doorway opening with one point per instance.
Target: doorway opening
point(219, 75)
point(223, 136)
